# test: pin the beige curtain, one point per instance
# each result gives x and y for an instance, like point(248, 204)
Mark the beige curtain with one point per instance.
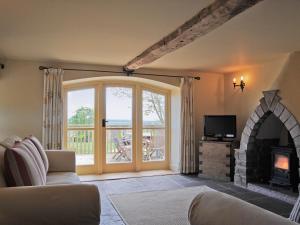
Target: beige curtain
point(188, 150)
point(53, 109)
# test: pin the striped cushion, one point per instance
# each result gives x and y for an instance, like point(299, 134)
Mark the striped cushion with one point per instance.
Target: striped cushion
point(41, 150)
point(295, 214)
point(24, 166)
point(36, 155)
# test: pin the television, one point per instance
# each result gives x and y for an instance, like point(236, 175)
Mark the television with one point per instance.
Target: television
point(222, 126)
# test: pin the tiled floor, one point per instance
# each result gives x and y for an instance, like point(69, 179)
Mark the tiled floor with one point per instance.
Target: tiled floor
point(109, 216)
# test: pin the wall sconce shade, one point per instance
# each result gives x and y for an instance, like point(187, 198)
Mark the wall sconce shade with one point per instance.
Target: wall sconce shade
point(241, 85)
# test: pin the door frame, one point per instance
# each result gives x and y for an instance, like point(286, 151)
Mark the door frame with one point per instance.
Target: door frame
point(84, 169)
point(137, 157)
point(119, 167)
point(155, 165)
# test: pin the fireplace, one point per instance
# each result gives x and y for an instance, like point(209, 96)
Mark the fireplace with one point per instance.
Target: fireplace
point(258, 166)
point(284, 170)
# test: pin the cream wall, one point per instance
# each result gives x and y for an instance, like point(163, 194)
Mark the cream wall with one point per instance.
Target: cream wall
point(209, 99)
point(21, 90)
point(288, 82)
point(281, 73)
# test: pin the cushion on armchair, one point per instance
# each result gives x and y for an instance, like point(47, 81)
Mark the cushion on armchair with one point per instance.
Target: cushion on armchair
point(41, 150)
point(36, 155)
point(23, 165)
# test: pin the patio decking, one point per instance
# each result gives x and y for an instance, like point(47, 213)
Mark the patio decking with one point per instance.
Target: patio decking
point(88, 159)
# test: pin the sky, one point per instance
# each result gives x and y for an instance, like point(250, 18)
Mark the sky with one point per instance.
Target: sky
point(79, 98)
point(117, 107)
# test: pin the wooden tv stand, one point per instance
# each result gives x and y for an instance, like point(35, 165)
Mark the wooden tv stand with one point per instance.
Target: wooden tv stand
point(216, 159)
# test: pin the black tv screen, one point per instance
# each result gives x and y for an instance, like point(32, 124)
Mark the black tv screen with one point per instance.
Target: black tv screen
point(220, 126)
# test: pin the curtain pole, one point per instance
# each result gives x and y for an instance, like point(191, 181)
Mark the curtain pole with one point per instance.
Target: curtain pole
point(128, 73)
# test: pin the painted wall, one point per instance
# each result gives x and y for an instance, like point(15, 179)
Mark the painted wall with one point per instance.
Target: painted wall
point(281, 73)
point(209, 99)
point(21, 91)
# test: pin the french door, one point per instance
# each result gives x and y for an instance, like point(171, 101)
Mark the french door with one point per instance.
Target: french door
point(118, 126)
point(115, 127)
point(81, 126)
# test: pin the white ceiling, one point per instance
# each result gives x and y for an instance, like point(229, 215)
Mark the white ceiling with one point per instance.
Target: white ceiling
point(266, 31)
point(112, 32)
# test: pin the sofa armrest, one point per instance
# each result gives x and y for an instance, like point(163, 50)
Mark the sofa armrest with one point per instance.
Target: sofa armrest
point(60, 205)
point(61, 161)
point(213, 207)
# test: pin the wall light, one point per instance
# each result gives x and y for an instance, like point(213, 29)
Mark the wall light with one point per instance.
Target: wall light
point(241, 85)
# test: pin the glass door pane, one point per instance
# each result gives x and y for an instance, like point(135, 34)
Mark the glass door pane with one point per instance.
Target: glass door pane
point(81, 125)
point(118, 111)
point(154, 107)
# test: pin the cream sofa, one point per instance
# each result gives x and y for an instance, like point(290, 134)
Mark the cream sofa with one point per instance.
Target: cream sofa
point(62, 201)
point(216, 208)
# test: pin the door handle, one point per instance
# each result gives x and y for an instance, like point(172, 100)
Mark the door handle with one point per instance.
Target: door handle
point(104, 122)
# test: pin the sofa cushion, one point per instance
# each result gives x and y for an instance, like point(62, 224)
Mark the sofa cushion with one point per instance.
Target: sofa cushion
point(55, 178)
point(41, 150)
point(36, 155)
point(212, 207)
point(23, 167)
point(6, 143)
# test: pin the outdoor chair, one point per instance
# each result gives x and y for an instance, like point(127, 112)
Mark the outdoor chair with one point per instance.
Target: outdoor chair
point(122, 150)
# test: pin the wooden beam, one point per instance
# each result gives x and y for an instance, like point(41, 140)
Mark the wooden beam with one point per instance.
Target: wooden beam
point(208, 19)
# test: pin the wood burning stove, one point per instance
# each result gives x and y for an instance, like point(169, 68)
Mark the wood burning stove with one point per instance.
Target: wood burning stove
point(284, 167)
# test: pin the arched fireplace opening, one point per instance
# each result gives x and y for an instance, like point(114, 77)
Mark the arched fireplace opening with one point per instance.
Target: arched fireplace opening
point(270, 146)
point(276, 157)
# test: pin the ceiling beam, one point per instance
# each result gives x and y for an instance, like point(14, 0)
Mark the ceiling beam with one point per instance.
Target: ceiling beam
point(207, 20)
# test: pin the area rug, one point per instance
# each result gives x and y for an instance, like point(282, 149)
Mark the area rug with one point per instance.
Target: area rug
point(156, 207)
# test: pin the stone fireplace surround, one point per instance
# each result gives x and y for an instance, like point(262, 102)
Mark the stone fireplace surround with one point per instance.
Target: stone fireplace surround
point(245, 156)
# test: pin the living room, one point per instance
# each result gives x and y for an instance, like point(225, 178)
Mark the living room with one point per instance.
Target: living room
point(149, 112)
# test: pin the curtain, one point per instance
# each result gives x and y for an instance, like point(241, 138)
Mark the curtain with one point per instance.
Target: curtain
point(188, 150)
point(53, 109)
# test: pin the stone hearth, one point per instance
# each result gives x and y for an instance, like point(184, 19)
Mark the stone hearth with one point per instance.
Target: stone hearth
point(245, 157)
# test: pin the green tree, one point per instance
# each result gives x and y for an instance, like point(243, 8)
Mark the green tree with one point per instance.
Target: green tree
point(83, 116)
